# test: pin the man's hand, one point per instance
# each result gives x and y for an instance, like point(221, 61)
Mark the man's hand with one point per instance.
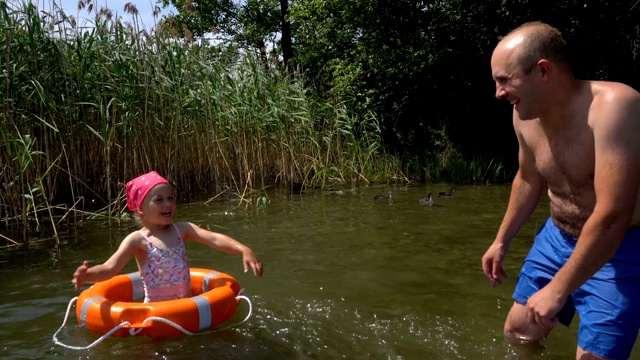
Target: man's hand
point(492, 263)
point(544, 306)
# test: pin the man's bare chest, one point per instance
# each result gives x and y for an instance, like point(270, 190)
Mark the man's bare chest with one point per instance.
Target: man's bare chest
point(565, 162)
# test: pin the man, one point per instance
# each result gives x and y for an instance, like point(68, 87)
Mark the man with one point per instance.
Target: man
point(581, 141)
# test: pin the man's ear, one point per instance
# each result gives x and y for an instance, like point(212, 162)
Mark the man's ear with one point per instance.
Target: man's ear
point(544, 67)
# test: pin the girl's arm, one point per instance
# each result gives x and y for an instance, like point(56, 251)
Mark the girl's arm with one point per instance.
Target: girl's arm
point(107, 270)
point(223, 242)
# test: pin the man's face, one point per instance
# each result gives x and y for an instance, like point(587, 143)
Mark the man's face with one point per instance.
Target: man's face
point(513, 83)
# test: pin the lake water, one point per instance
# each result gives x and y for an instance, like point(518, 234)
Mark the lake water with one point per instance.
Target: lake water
point(346, 277)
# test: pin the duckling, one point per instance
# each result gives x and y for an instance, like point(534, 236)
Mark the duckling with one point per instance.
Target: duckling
point(427, 200)
point(384, 197)
point(450, 193)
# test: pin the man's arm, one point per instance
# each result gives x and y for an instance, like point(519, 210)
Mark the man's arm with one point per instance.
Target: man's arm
point(616, 129)
point(525, 190)
point(525, 194)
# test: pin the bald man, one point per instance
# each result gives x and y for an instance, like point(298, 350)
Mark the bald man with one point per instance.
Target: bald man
point(581, 141)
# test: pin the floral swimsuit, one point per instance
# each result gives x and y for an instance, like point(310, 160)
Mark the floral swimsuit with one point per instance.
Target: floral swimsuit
point(166, 276)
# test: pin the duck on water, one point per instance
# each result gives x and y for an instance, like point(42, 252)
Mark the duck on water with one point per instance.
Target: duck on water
point(428, 200)
point(389, 196)
point(444, 193)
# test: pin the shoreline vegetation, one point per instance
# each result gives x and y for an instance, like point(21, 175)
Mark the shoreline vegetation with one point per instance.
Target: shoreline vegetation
point(86, 109)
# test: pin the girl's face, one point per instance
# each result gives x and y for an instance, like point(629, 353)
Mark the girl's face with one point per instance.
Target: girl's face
point(159, 205)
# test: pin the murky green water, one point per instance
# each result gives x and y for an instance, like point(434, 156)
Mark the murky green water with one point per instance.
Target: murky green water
point(345, 277)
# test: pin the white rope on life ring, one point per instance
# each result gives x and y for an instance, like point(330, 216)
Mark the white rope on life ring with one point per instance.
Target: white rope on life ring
point(134, 332)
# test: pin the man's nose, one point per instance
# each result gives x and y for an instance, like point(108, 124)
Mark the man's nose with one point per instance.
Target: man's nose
point(500, 92)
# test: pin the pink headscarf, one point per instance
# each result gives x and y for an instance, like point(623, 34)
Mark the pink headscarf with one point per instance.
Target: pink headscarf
point(138, 188)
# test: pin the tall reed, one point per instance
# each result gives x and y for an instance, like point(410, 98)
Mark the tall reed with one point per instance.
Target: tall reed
point(87, 108)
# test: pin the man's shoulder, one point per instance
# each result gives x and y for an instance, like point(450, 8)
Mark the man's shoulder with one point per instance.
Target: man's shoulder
point(613, 90)
point(614, 105)
point(610, 100)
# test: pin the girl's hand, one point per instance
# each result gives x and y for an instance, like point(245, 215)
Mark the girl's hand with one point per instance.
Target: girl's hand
point(249, 259)
point(79, 277)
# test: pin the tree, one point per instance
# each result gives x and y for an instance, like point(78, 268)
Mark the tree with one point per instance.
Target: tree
point(251, 24)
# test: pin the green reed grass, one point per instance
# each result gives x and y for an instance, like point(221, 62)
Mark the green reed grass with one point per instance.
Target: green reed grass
point(86, 109)
point(446, 163)
point(457, 169)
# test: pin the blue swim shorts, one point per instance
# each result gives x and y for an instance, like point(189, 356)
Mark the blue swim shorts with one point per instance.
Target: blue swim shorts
point(608, 304)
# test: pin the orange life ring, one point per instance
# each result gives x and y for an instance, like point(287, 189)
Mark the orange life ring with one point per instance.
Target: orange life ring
point(107, 304)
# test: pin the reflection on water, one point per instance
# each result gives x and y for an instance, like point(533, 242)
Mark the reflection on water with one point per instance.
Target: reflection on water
point(345, 277)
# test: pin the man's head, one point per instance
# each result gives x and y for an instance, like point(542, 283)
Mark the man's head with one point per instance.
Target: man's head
point(534, 41)
point(522, 64)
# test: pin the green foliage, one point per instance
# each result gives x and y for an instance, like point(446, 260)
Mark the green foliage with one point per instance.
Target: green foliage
point(251, 24)
point(202, 17)
point(446, 163)
point(420, 65)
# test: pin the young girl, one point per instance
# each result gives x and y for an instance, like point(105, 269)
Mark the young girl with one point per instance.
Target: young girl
point(159, 247)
